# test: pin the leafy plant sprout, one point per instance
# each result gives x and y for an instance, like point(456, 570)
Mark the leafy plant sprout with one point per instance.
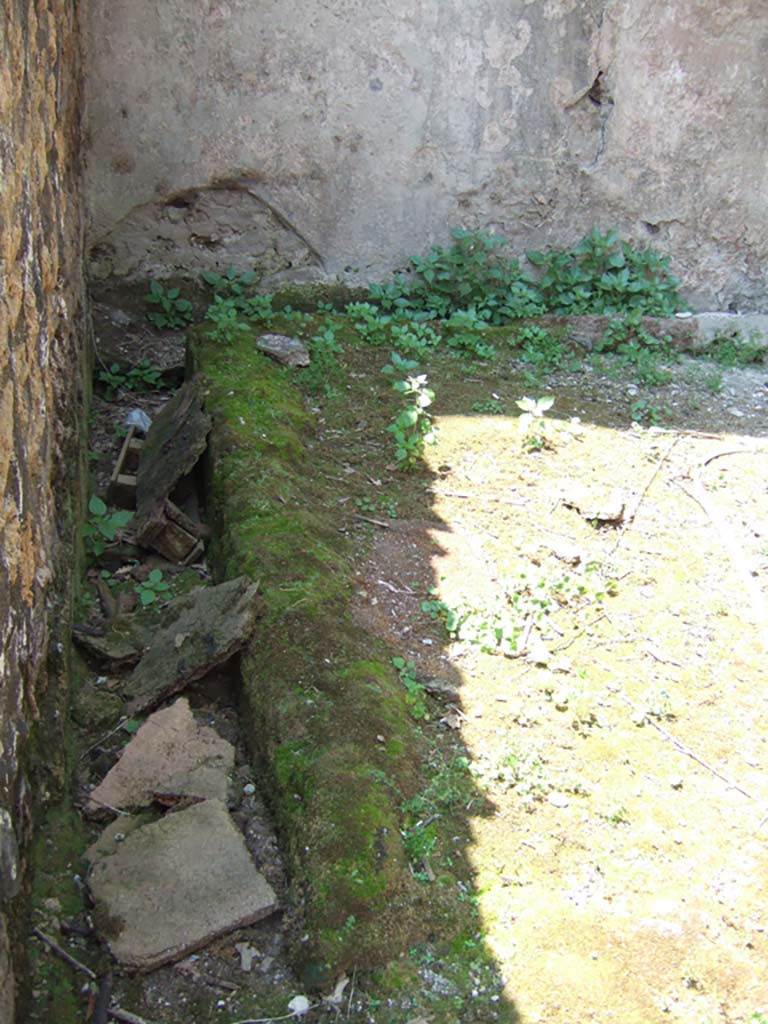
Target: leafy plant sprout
point(101, 526)
point(532, 425)
point(175, 312)
point(412, 428)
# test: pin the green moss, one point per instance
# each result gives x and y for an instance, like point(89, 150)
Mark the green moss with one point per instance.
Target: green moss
point(307, 297)
point(57, 865)
point(317, 690)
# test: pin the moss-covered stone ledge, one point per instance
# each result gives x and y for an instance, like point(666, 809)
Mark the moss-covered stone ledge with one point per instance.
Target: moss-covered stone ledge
point(325, 713)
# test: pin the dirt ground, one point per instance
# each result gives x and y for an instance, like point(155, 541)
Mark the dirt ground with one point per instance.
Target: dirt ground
point(623, 874)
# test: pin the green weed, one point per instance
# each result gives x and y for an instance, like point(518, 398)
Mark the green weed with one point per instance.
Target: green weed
point(143, 377)
point(534, 430)
point(603, 275)
point(736, 350)
point(412, 428)
point(101, 526)
point(224, 316)
point(152, 588)
point(415, 694)
point(231, 283)
point(174, 312)
point(488, 407)
point(469, 274)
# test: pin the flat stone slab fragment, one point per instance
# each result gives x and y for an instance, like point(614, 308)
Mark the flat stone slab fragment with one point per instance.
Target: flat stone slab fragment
point(211, 625)
point(175, 885)
point(170, 755)
point(121, 642)
point(286, 350)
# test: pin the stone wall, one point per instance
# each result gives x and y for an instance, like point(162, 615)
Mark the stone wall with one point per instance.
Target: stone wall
point(42, 330)
point(337, 137)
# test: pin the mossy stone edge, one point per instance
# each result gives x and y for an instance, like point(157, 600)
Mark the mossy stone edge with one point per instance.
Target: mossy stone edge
point(317, 691)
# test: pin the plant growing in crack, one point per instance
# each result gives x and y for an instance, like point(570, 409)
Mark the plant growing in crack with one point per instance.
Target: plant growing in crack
point(412, 428)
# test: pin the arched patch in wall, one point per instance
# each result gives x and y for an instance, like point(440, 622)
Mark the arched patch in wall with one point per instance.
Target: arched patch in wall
point(226, 223)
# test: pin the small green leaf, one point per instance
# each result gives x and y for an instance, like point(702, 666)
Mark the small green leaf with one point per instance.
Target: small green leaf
point(96, 506)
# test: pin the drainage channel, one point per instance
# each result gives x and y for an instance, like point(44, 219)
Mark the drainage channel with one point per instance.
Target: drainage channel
point(176, 910)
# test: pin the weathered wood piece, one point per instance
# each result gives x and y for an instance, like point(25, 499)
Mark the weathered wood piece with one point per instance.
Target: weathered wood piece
point(122, 484)
point(203, 629)
point(174, 443)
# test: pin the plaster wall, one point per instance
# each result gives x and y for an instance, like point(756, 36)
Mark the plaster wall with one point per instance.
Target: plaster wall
point(42, 328)
point(325, 138)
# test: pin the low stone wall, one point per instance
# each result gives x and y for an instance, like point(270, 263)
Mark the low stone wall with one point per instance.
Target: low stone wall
point(42, 335)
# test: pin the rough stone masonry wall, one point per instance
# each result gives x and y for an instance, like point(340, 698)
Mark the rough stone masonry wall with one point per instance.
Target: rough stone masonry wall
point(338, 137)
point(41, 350)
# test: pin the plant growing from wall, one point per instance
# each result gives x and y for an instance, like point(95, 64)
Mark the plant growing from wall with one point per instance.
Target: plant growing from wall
point(412, 428)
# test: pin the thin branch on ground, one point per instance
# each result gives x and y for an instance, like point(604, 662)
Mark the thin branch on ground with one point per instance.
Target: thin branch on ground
point(702, 498)
point(629, 517)
point(270, 1020)
point(678, 744)
point(62, 954)
point(581, 632)
point(374, 522)
point(125, 1017)
point(397, 590)
point(115, 1012)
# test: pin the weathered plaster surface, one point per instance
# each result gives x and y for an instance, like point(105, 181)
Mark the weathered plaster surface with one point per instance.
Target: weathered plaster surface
point(41, 331)
point(337, 137)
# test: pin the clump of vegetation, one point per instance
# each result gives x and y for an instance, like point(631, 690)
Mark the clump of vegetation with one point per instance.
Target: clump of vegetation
point(224, 316)
point(736, 350)
point(231, 283)
point(471, 274)
point(152, 588)
point(174, 312)
point(599, 275)
point(603, 275)
point(101, 526)
point(142, 377)
point(521, 604)
point(412, 428)
point(415, 692)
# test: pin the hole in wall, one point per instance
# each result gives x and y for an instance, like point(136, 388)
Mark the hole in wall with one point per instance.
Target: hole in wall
point(599, 93)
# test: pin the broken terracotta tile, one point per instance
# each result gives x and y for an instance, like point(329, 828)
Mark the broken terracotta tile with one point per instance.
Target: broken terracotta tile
point(171, 754)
